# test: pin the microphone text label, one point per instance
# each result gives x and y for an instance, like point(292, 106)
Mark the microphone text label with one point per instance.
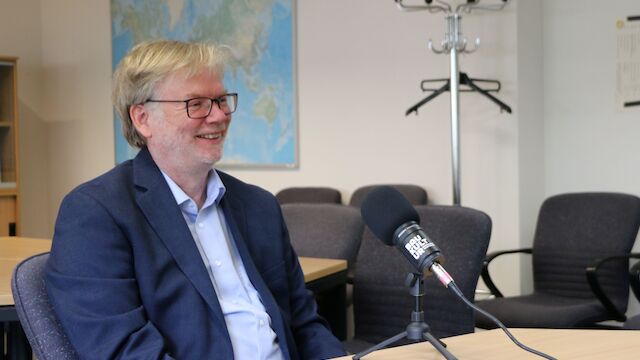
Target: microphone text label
point(417, 246)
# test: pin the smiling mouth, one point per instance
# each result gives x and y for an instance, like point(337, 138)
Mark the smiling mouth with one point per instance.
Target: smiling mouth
point(210, 136)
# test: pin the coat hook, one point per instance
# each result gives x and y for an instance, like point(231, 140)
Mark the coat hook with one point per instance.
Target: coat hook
point(469, 51)
point(435, 50)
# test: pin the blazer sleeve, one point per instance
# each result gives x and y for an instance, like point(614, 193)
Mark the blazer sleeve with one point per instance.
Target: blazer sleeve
point(313, 338)
point(91, 283)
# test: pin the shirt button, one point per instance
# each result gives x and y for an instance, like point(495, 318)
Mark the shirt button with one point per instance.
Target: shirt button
point(200, 225)
point(261, 322)
point(218, 263)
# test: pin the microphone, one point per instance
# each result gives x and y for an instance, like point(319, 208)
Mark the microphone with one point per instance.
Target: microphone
point(395, 222)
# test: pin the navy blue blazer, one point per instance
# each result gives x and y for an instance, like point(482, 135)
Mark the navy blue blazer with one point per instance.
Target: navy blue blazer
point(126, 279)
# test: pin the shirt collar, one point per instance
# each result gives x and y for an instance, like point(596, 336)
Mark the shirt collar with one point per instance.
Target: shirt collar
point(215, 190)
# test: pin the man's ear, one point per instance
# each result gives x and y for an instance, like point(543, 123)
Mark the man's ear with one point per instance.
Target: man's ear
point(139, 115)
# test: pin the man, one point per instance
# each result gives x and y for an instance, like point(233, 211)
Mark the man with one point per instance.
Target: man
point(164, 257)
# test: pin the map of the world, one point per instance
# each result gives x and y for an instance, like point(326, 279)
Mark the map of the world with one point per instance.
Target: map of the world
point(261, 70)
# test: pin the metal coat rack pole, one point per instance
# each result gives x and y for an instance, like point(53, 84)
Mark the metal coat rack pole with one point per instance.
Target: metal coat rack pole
point(453, 44)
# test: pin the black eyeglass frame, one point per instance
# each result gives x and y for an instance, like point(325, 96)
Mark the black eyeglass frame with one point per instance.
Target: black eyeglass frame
point(213, 100)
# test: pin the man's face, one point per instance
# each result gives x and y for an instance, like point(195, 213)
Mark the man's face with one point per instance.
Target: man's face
point(176, 141)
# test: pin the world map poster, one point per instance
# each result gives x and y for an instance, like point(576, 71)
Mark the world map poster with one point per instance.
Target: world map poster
point(261, 69)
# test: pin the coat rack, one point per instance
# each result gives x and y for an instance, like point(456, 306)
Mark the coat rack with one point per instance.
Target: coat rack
point(453, 44)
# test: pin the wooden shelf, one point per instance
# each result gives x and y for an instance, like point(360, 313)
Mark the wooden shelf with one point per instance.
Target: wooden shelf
point(9, 159)
point(9, 191)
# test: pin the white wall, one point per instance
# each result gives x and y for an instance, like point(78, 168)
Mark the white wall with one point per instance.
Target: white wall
point(20, 29)
point(355, 81)
point(357, 78)
point(589, 144)
point(359, 67)
point(530, 131)
point(77, 92)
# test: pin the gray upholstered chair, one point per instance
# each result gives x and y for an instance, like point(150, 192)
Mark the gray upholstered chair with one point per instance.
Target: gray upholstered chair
point(324, 230)
point(381, 302)
point(45, 334)
point(309, 194)
point(327, 231)
point(633, 323)
point(580, 256)
point(416, 195)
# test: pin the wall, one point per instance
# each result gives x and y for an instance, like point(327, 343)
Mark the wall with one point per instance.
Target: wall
point(530, 131)
point(589, 144)
point(555, 59)
point(355, 82)
point(77, 88)
point(20, 20)
point(63, 88)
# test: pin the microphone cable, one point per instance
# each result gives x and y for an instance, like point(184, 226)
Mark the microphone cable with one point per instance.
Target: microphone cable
point(456, 290)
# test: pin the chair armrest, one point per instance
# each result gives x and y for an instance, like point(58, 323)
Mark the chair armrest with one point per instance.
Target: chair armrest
point(592, 278)
point(485, 268)
point(634, 279)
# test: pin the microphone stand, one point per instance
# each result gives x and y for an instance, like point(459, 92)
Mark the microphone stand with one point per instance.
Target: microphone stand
point(417, 329)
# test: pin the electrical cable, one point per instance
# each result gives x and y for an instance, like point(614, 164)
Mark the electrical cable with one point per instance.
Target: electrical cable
point(456, 290)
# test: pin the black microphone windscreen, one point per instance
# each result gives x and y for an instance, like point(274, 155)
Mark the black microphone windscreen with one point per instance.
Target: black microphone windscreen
point(384, 210)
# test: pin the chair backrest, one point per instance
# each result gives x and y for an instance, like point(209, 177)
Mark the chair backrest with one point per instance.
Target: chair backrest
point(324, 230)
point(309, 194)
point(574, 230)
point(45, 334)
point(416, 195)
point(382, 304)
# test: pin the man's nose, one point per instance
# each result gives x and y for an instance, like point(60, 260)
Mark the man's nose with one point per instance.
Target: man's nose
point(216, 114)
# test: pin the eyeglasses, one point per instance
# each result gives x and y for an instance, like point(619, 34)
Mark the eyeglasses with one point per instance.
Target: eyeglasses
point(200, 107)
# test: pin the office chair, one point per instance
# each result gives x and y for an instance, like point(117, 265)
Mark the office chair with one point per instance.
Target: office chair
point(416, 194)
point(381, 301)
point(633, 323)
point(327, 231)
point(309, 195)
point(45, 334)
point(580, 255)
point(324, 230)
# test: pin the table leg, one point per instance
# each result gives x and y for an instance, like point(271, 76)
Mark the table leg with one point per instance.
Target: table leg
point(332, 305)
point(3, 332)
point(331, 296)
point(18, 347)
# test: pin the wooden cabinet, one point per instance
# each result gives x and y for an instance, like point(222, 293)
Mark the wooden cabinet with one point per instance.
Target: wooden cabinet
point(9, 182)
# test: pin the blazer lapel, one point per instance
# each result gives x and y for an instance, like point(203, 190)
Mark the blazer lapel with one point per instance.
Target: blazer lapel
point(159, 206)
point(236, 220)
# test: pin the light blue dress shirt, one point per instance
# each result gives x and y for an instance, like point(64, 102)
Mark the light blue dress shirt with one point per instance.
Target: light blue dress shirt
point(248, 323)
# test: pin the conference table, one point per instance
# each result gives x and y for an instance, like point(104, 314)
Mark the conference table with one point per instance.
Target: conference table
point(327, 277)
point(493, 344)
